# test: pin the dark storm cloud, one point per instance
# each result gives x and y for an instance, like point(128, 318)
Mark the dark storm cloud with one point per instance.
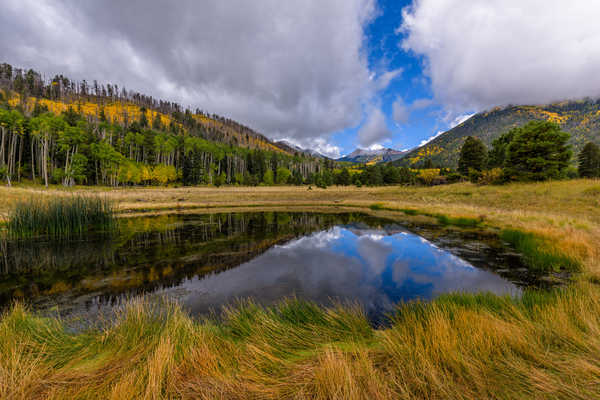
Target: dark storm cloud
point(288, 68)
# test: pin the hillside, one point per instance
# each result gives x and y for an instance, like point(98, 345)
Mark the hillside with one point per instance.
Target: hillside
point(59, 130)
point(579, 118)
point(367, 156)
point(27, 89)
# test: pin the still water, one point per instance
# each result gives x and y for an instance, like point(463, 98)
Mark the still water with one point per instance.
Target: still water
point(208, 261)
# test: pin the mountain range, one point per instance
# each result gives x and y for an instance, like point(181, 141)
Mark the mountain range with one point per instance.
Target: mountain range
point(292, 148)
point(580, 118)
point(372, 156)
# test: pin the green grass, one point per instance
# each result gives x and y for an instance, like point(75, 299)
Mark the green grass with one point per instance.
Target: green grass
point(467, 346)
point(537, 254)
point(463, 222)
point(60, 217)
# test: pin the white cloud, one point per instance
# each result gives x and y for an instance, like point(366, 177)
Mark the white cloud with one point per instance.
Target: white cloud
point(460, 119)
point(320, 145)
point(327, 149)
point(420, 104)
point(374, 129)
point(496, 52)
point(287, 68)
point(375, 147)
point(429, 139)
point(400, 111)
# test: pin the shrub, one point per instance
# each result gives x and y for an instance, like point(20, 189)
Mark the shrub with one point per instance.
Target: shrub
point(474, 175)
point(60, 217)
point(494, 176)
point(428, 176)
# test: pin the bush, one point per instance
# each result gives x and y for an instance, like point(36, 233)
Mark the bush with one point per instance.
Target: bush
point(494, 176)
point(453, 177)
point(429, 176)
point(474, 175)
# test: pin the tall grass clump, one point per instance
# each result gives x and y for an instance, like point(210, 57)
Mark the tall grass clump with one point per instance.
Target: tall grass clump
point(536, 252)
point(60, 217)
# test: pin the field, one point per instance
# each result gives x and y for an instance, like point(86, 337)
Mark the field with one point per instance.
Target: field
point(544, 345)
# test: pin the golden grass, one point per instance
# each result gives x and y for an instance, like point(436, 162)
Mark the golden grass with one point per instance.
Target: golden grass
point(544, 345)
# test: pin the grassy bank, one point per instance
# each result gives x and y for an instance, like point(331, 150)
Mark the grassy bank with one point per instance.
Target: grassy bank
point(460, 346)
point(543, 345)
point(59, 217)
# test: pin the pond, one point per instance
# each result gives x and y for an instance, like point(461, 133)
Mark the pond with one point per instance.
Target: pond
point(208, 261)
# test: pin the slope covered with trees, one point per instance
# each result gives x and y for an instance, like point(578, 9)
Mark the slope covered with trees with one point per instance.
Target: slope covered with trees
point(62, 131)
point(581, 119)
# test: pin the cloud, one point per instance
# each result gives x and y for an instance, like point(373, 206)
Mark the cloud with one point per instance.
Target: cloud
point(327, 149)
point(289, 69)
point(460, 119)
point(496, 52)
point(375, 147)
point(429, 139)
point(400, 111)
point(374, 129)
point(320, 145)
point(420, 104)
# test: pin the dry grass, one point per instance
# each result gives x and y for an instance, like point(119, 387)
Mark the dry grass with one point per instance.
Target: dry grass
point(545, 345)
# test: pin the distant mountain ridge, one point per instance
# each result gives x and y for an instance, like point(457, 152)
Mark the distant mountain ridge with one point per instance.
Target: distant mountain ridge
point(292, 148)
point(373, 156)
point(579, 118)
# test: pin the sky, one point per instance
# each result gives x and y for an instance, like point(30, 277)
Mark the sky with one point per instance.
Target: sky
point(331, 75)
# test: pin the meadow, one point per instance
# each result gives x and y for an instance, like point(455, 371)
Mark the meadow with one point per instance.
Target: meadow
point(542, 345)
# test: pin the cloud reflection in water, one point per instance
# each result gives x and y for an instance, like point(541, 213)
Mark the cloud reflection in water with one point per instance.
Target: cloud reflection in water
point(371, 266)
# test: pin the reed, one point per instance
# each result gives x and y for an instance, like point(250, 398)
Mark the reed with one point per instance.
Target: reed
point(60, 217)
point(537, 253)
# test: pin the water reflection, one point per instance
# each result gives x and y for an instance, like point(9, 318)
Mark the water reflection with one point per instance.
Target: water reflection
point(207, 261)
point(374, 267)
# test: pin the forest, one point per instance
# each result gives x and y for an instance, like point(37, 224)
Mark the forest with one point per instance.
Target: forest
point(66, 132)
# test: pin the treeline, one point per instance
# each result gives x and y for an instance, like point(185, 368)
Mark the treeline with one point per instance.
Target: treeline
point(69, 148)
point(29, 83)
point(536, 151)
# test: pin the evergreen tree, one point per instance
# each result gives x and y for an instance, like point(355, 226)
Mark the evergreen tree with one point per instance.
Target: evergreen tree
point(391, 175)
point(344, 178)
point(497, 155)
point(473, 155)
point(589, 161)
point(406, 176)
point(297, 178)
point(539, 151)
point(187, 170)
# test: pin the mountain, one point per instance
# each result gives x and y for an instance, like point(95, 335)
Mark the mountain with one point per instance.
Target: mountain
point(292, 148)
point(27, 89)
point(579, 118)
point(368, 156)
point(62, 131)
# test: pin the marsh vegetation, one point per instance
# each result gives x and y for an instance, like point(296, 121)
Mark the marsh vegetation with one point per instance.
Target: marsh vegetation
point(60, 217)
point(541, 344)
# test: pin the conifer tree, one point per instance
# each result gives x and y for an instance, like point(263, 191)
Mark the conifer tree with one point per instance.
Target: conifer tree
point(473, 155)
point(589, 161)
point(539, 151)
